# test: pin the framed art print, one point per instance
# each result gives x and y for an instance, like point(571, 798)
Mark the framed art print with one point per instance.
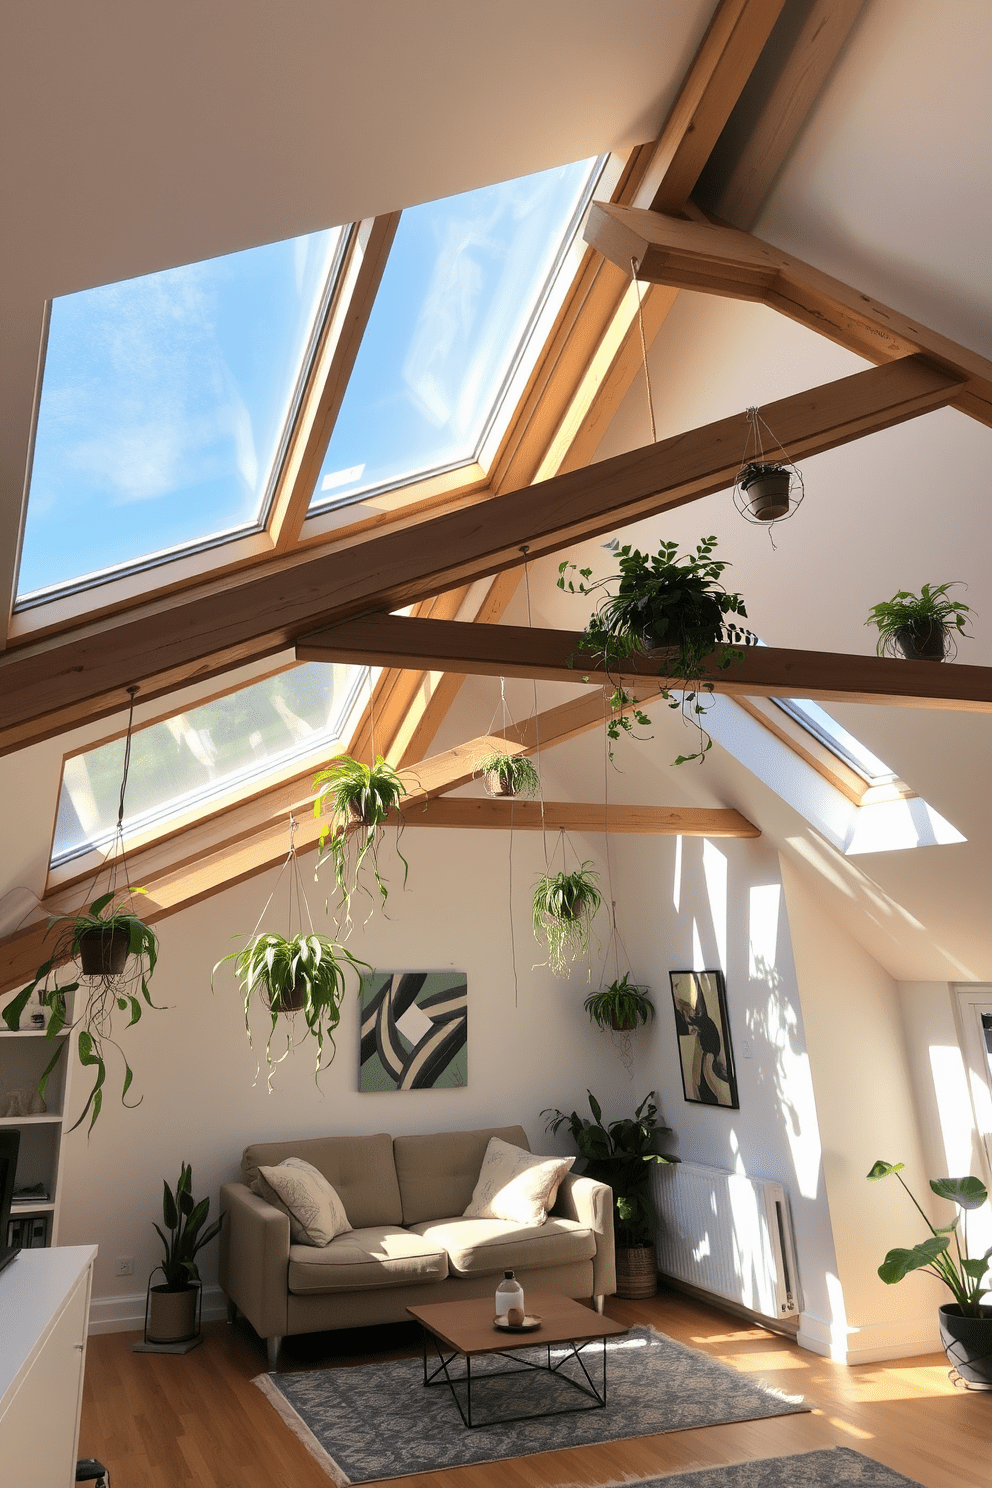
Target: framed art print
point(414, 1030)
point(703, 1028)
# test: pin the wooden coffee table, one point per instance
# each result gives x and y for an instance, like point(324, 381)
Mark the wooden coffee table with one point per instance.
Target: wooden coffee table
point(467, 1330)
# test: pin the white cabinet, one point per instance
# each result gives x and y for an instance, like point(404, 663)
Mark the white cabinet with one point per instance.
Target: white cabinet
point(23, 1057)
point(44, 1308)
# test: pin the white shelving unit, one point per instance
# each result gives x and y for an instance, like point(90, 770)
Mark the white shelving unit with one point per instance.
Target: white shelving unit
point(23, 1057)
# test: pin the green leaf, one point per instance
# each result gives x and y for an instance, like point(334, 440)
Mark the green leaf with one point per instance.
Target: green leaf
point(883, 1169)
point(170, 1213)
point(12, 1012)
point(100, 904)
point(975, 1268)
point(899, 1263)
point(970, 1193)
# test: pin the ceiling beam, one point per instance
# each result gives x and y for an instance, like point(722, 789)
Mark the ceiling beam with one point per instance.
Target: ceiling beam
point(46, 686)
point(784, 108)
point(722, 65)
point(487, 813)
point(761, 671)
point(723, 261)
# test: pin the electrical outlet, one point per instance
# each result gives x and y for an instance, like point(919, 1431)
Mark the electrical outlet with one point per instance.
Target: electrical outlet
point(124, 1266)
point(746, 1048)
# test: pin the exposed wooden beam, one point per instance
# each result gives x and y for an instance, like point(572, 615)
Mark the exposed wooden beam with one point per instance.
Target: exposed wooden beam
point(360, 278)
point(48, 685)
point(724, 261)
point(784, 109)
point(528, 816)
point(762, 671)
point(727, 53)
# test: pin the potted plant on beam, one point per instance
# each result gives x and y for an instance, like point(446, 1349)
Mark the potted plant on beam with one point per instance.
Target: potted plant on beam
point(563, 909)
point(675, 606)
point(621, 1006)
point(919, 625)
point(622, 1155)
point(965, 1323)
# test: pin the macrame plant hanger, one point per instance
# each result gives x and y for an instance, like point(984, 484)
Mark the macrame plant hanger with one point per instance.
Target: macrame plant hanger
point(290, 866)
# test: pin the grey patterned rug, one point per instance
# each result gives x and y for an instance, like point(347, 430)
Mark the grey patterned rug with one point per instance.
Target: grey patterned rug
point(377, 1421)
point(832, 1467)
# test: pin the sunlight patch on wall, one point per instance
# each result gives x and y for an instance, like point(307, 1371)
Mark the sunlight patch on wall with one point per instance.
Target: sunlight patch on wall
point(715, 873)
point(889, 826)
point(677, 879)
point(950, 1086)
point(763, 908)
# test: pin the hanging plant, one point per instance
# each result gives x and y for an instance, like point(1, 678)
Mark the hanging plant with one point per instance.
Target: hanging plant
point(920, 625)
point(675, 605)
point(564, 907)
point(620, 1006)
point(769, 486)
point(114, 953)
point(304, 974)
point(509, 774)
point(357, 799)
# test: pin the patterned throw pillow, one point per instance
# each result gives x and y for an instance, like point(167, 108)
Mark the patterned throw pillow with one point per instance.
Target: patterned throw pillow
point(514, 1184)
point(316, 1214)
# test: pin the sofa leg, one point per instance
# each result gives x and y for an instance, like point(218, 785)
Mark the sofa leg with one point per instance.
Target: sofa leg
point(599, 1302)
point(232, 1311)
point(272, 1346)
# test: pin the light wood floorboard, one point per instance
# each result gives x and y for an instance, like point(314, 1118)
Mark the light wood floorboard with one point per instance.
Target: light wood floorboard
point(196, 1421)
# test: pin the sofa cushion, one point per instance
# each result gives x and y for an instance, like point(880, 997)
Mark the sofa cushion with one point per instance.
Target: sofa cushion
point(514, 1184)
point(373, 1257)
point(437, 1173)
point(479, 1246)
point(359, 1169)
point(316, 1214)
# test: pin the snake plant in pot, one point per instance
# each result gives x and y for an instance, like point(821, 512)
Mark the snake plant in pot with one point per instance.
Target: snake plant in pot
point(357, 799)
point(170, 1314)
point(670, 604)
point(303, 975)
point(563, 908)
point(623, 1154)
point(112, 953)
point(965, 1323)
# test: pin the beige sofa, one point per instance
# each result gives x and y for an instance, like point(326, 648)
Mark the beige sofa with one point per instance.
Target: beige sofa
point(405, 1197)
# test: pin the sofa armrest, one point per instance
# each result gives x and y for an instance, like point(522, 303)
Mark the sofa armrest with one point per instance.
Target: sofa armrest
point(591, 1203)
point(254, 1259)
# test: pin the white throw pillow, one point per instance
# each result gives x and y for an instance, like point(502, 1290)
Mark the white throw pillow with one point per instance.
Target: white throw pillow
point(316, 1213)
point(514, 1184)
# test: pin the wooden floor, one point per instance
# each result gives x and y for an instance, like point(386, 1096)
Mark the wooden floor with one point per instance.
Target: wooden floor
point(159, 1421)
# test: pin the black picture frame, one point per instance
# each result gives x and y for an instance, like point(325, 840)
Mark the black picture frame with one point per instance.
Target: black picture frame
point(702, 1025)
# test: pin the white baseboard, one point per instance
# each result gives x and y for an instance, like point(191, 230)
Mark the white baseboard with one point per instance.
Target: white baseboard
point(872, 1343)
point(127, 1314)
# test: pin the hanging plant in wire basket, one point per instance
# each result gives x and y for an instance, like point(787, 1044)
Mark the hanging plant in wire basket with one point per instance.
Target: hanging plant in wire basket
point(564, 907)
point(769, 485)
point(302, 974)
point(508, 775)
point(109, 952)
point(356, 799)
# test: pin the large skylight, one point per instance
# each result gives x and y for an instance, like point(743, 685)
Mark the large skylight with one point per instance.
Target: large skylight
point(837, 739)
point(198, 756)
point(465, 282)
point(163, 409)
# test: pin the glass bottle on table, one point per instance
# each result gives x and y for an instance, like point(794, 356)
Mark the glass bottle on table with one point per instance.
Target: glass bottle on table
point(509, 1294)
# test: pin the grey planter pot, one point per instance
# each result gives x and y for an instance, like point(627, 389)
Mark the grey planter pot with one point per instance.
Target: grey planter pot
point(767, 495)
point(924, 640)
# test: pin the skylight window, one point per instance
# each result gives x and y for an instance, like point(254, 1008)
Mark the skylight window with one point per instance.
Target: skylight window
point(464, 285)
point(164, 409)
point(837, 739)
point(193, 758)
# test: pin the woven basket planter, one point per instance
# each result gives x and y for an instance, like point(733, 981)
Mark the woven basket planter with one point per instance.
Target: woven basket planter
point(637, 1271)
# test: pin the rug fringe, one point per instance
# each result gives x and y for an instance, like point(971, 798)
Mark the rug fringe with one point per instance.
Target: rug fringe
point(300, 1429)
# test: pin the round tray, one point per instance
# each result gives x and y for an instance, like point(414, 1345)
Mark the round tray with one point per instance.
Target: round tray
point(528, 1325)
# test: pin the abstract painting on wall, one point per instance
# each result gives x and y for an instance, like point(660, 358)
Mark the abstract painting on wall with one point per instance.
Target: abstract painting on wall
point(414, 1030)
point(703, 1028)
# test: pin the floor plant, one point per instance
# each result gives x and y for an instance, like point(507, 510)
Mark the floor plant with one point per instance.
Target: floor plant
point(667, 603)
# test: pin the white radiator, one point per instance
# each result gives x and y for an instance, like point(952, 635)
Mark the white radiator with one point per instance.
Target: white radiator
point(728, 1234)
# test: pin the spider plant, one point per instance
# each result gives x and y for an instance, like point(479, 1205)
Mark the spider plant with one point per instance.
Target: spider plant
point(305, 974)
point(675, 604)
point(620, 1006)
point(919, 625)
point(124, 952)
point(509, 774)
point(357, 799)
point(564, 907)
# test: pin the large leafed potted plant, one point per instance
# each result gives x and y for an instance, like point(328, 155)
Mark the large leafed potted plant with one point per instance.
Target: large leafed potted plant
point(111, 953)
point(675, 606)
point(356, 799)
point(622, 1154)
point(965, 1323)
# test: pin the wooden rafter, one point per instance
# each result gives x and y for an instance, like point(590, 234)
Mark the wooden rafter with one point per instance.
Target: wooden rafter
point(575, 816)
point(723, 261)
point(46, 686)
point(761, 671)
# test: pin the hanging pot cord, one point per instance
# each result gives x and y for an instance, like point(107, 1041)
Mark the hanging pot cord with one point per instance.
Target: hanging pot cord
point(525, 549)
point(507, 722)
point(117, 853)
point(634, 266)
point(754, 451)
